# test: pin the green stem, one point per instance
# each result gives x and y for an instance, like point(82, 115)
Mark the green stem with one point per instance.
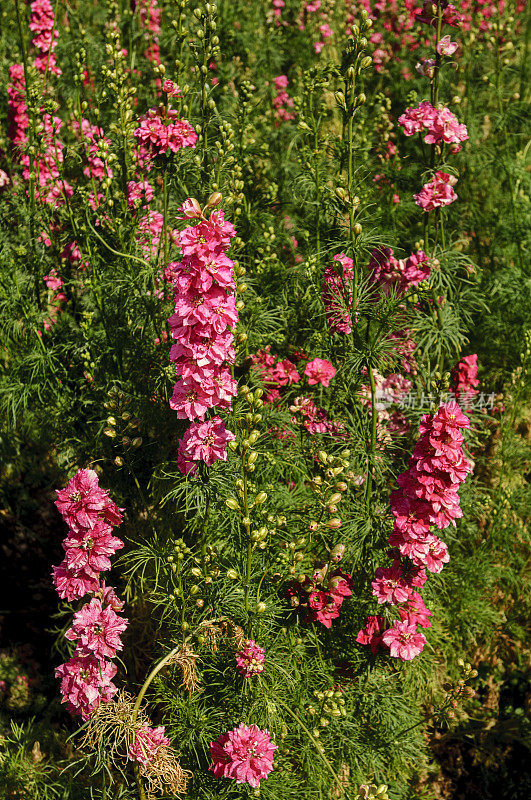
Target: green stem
point(322, 756)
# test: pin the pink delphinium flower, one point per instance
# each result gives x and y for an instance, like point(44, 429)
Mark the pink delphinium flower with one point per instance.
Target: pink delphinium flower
point(250, 659)
point(415, 612)
point(245, 754)
point(73, 584)
point(96, 631)
point(204, 441)
point(388, 586)
point(85, 683)
point(147, 743)
point(90, 549)
point(438, 124)
point(319, 371)
point(437, 193)
point(157, 133)
point(403, 640)
point(372, 634)
point(464, 379)
point(83, 502)
point(337, 294)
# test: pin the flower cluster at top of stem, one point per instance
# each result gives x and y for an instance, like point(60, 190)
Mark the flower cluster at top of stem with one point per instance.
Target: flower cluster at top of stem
point(205, 313)
point(428, 495)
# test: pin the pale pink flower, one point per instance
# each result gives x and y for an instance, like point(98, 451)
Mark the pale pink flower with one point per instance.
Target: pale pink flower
point(445, 47)
point(437, 193)
point(244, 754)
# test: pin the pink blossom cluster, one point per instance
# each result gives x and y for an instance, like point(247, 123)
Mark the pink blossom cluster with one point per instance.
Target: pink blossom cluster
point(56, 297)
point(147, 743)
point(139, 193)
point(282, 102)
point(150, 19)
point(86, 680)
point(439, 124)
point(337, 294)
point(275, 372)
point(429, 14)
point(51, 188)
point(162, 130)
point(94, 138)
point(321, 595)
point(437, 193)
point(16, 103)
point(205, 313)
point(399, 274)
point(314, 419)
point(427, 496)
point(275, 13)
point(45, 36)
point(245, 754)
point(464, 378)
point(203, 441)
point(250, 659)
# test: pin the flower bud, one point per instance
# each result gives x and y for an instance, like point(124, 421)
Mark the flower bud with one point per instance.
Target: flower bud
point(260, 498)
point(333, 523)
point(260, 608)
point(232, 503)
point(232, 574)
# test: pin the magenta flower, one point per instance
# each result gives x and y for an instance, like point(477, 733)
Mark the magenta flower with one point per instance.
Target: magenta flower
point(72, 585)
point(389, 586)
point(250, 659)
point(159, 132)
point(96, 631)
point(244, 754)
point(319, 371)
point(90, 550)
point(415, 612)
point(337, 294)
point(437, 193)
point(83, 503)
point(147, 743)
point(85, 683)
point(372, 634)
point(203, 441)
point(403, 640)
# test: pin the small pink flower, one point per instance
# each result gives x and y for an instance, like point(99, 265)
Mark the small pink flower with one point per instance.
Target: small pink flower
point(250, 659)
point(319, 371)
point(85, 683)
point(96, 631)
point(73, 584)
point(372, 634)
point(437, 193)
point(403, 640)
point(245, 754)
point(147, 743)
point(204, 441)
point(83, 503)
point(171, 88)
point(445, 47)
